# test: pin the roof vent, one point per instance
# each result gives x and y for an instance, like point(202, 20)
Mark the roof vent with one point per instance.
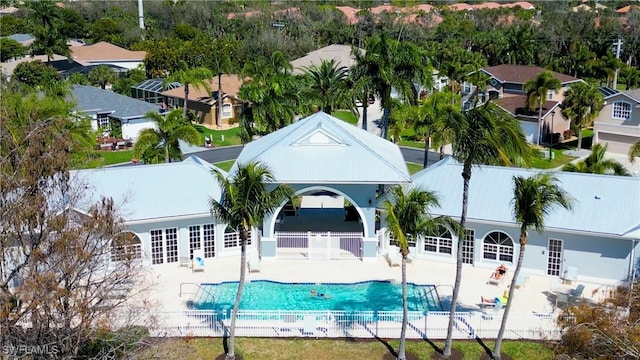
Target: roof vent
point(598, 197)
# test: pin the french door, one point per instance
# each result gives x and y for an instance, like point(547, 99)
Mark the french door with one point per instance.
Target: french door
point(554, 257)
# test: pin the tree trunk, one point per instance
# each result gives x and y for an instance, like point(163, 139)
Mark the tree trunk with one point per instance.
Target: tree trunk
point(403, 330)
point(540, 121)
point(365, 106)
point(220, 102)
point(466, 175)
point(505, 315)
point(166, 153)
point(386, 112)
point(186, 99)
point(579, 137)
point(236, 305)
point(425, 162)
point(442, 151)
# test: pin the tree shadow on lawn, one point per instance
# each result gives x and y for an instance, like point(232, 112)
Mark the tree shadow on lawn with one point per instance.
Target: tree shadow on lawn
point(488, 353)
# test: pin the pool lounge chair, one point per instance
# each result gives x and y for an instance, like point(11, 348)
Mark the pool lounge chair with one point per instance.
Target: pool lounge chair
point(253, 261)
point(393, 256)
point(521, 279)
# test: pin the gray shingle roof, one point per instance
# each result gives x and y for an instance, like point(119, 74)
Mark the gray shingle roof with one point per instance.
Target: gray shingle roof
point(96, 100)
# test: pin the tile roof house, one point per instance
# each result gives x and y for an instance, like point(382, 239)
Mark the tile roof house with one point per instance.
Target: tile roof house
point(106, 53)
point(105, 106)
point(600, 235)
point(505, 86)
point(205, 103)
point(340, 53)
point(618, 123)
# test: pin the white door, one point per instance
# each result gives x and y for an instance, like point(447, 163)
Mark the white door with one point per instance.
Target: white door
point(554, 257)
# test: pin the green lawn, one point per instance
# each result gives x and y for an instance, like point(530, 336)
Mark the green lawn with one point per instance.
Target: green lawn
point(225, 165)
point(330, 349)
point(414, 168)
point(346, 115)
point(230, 136)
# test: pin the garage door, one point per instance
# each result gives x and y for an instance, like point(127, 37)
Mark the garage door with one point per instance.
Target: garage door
point(619, 144)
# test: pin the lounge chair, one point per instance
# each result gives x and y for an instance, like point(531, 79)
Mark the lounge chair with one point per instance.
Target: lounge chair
point(253, 261)
point(521, 279)
point(570, 274)
point(492, 313)
point(393, 256)
point(574, 294)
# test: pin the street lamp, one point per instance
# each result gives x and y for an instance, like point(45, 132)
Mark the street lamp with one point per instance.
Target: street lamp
point(553, 114)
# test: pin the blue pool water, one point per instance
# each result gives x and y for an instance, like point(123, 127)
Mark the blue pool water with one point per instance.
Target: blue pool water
point(271, 295)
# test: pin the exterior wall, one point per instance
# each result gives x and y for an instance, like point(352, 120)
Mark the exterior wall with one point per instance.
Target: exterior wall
point(618, 133)
point(132, 64)
point(131, 128)
point(598, 259)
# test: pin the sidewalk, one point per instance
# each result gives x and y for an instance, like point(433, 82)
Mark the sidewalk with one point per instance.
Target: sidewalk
point(633, 169)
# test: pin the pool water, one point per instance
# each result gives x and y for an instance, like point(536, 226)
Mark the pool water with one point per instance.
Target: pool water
point(362, 296)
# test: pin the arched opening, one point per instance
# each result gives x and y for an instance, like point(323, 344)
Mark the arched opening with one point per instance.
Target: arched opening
point(126, 246)
point(319, 223)
point(439, 241)
point(498, 246)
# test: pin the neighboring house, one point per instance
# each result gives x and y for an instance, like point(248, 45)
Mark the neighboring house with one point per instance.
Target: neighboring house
point(600, 236)
point(9, 67)
point(340, 53)
point(618, 123)
point(506, 83)
point(104, 107)
point(205, 104)
point(104, 53)
point(151, 90)
point(24, 39)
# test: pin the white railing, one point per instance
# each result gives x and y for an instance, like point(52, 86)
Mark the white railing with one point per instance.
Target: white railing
point(362, 324)
point(318, 245)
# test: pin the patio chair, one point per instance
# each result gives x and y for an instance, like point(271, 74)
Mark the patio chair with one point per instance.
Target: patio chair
point(570, 274)
point(562, 299)
point(521, 279)
point(393, 256)
point(574, 294)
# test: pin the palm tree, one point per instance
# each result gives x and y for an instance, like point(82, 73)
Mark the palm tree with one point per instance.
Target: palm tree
point(198, 77)
point(536, 91)
point(483, 135)
point(222, 63)
point(245, 202)
point(533, 199)
point(596, 163)
point(102, 75)
point(163, 141)
point(392, 64)
point(634, 152)
point(440, 113)
point(582, 103)
point(46, 20)
point(328, 83)
point(407, 218)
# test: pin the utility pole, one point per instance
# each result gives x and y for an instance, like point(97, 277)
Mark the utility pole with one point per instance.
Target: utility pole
point(141, 17)
point(618, 45)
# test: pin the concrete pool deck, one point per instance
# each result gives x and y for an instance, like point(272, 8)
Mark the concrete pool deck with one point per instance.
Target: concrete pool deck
point(170, 286)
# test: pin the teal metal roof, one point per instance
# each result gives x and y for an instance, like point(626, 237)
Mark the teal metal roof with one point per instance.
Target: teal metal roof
point(605, 204)
point(150, 192)
point(322, 149)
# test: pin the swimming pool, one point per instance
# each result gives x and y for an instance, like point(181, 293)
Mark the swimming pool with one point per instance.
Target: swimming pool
point(361, 296)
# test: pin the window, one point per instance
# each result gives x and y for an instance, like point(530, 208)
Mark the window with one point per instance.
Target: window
point(410, 241)
point(621, 110)
point(156, 247)
point(171, 239)
point(549, 94)
point(208, 231)
point(103, 121)
point(126, 246)
point(232, 238)
point(498, 246)
point(466, 88)
point(226, 111)
point(467, 246)
point(194, 239)
point(439, 242)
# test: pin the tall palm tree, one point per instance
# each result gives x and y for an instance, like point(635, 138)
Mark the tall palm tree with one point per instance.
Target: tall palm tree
point(536, 91)
point(222, 64)
point(483, 135)
point(198, 77)
point(328, 82)
point(246, 201)
point(439, 112)
point(596, 163)
point(533, 198)
point(634, 152)
point(582, 103)
point(102, 75)
point(407, 218)
point(392, 64)
point(163, 141)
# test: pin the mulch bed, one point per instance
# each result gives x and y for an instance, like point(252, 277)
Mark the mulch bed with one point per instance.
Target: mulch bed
point(455, 355)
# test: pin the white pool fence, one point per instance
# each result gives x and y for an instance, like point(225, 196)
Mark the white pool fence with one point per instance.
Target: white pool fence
point(361, 324)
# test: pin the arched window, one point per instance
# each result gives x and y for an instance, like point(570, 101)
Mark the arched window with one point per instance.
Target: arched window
point(498, 246)
point(232, 238)
point(439, 241)
point(126, 246)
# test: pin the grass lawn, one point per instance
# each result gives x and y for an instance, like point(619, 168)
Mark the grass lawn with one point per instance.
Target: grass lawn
point(225, 165)
point(414, 168)
point(559, 159)
point(231, 136)
point(329, 349)
point(346, 115)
